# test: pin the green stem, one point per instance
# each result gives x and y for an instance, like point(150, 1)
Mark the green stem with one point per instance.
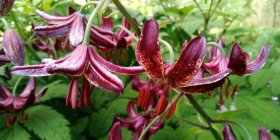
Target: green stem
point(170, 50)
point(128, 17)
point(87, 4)
point(20, 31)
point(218, 46)
point(16, 85)
point(204, 115)
point(146, 129)
point(90, 21)
point(274, 13)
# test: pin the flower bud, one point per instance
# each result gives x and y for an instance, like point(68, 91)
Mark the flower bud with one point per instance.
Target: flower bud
point(5, 6)
point(228, 133)
point(263, 134)
point(13, 47)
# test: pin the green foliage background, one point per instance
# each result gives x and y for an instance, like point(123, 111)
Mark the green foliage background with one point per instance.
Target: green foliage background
point(252, 23)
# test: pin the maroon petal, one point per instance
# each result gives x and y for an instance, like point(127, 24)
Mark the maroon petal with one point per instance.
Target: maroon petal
point(131, 110)
point(4, 59)
point(156, 126)
point(148, 52)
point(116, 68)
point(13, 47)
point(121, 32)
point(58, 30)
point(214, 52)
point(73, 65)
point(54, 19)
point(29, 88)
point(100, 77)
point(85, 93)
point(72, 93)
point(35, 70)
point(263, 134)
point(6, 6)
point(101, 30)
point(237, 60)
point(228, 133)
point(217, 64)
point(257, 64)
point(100, 39)
point(189, 62)
point(206, 85)
point(76, 34)
point(41, 93)
point(4, 92)
point(115, 132)
point(107, 23)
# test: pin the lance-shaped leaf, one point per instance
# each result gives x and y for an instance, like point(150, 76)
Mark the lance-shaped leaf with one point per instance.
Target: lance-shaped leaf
point(148, 52)
point(188, 63)
point(13, 47)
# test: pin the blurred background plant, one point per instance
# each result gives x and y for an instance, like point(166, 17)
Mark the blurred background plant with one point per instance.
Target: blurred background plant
point(252, 23)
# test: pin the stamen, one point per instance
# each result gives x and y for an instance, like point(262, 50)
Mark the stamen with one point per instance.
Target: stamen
point(234, 90)
point(227, 87)
point(161, 106)
point(171, 110)
point(221, 101)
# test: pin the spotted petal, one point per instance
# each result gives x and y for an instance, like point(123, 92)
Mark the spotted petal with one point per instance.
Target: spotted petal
point(148, 52)
point(257, 64)
point(188, 63)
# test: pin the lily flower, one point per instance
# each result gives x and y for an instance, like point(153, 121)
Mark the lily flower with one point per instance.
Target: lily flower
point(83, 61)
point(13, 48)
point(72, 26)
point(263, 134)
point(181, 74)
point(136, 123)
point(16, 104)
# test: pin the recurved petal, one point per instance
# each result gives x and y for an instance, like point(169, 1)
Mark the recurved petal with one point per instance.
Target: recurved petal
point(100, 39)
point(228, 133)
point(58, 30)
point(74, 65)
point(131, 110)
point(4, 59)
point(41, 93)
point(263, 134)
point(107, 23)
point(188, 63)
point(29, 88)
point(215, 51)
point(115, 132)
point(54, 19)
point(148, 52)
point(4, 92)
point(206, 85)
point(217, 64)
point(100, 77)
point(76, 34)
point(125, 24)
point(33, 70)
point(13, 47)
point(259, 62)
point(237, 60)
point(115, 68)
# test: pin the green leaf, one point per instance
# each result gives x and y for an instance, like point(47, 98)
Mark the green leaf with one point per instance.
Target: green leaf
point(101, 122)
point(55, 90)
point(166, 133)
point(14, 132)
point(79, 126)
point(260, 79)
point(47, 123)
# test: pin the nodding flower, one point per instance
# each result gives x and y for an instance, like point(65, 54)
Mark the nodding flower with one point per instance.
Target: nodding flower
point(15, 105)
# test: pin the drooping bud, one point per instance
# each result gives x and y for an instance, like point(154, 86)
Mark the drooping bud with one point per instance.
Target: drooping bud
point(228, 133)
point(13, 47)
point(5, 6)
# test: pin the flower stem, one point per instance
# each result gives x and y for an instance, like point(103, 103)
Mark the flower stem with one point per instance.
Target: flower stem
point(218, 46)
point(87, 4)
point(204, 115)
point(90, 21)
point(16, 85)
point(130, 20)
point(146, 129)
point(170, 50)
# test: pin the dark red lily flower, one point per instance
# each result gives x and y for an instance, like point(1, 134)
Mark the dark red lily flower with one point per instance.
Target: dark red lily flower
point(16, 104)
point(13, 48)
point(83, 61)
point(181, 74)
point(72, 25)
point(6, 6)
point(263, 134)
point(136, 123)
point(228, 133)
